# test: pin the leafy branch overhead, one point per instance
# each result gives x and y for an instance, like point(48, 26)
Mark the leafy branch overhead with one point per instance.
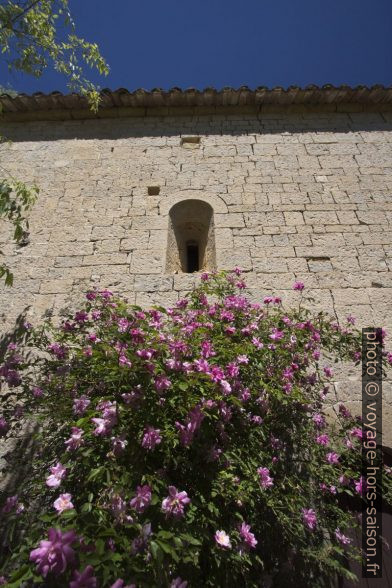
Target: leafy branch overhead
point(38, 35)
point(34, 36)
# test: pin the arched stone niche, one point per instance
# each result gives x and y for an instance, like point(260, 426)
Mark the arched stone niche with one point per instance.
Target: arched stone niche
point(191, 240)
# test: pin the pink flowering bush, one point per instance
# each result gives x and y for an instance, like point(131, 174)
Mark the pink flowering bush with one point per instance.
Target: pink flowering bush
point(184, 447)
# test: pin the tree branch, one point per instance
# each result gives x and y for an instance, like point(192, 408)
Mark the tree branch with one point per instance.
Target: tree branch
point(27, 9)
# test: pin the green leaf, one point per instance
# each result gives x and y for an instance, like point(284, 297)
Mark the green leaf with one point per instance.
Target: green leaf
point(156, 551)
point(165, 534)
point(23, 574)
point(189, 539)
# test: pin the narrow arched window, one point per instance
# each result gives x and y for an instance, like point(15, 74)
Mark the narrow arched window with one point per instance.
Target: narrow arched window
point(191, 242)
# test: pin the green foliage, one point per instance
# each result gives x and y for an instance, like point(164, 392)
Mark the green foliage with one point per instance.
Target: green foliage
point(16, 199)
point(234, 393)
point(36, 35)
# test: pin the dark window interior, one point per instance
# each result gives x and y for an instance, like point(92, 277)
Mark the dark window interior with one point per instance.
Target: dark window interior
point(192, 257)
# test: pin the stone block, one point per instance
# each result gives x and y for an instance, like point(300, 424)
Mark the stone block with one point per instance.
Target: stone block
point(148, 261)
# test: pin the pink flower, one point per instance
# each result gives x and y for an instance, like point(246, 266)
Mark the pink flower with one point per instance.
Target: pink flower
point(109, 413)
point(222, 539)
point(120, 584)
point(176, 501)
point(151, 438)
point(349, 444)
point(187, 431)
point(3, 427)
point(344, 411)
point(123, 325)
point(88, 351)
point(276, 335)
point(226, 388)
point(162, 383)
point(265, 480)
point(232, 370)
point(248, 537)
point(245, 395)
point(344, 480)
point(63, 502)
point(309, 518)
point(10, 504)
point(342, 538)
point(118, 445)
point(202, 365)
point(257, 343)
point(322, 439)
point(93, 337)
point(179, 583)
point(319, 420)
point(332, 457)
point(84, 579)
point(75, 441)
point(142, 499)
point(54, 555)
point(216, 374)
point(124, 361)
point(117, 505)
point(361, 486)
point(298, 286)
point(80, 405)
point(207, 349)
point(57, 475)
point(101, 426)
point(81, 316)
point(145, 353)
point(229, 330)
point(328, 371)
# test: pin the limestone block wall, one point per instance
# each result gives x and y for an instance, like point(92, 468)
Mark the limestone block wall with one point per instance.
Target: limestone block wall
point(296, 195)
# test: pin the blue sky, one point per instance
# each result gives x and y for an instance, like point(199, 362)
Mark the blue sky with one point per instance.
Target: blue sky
point(231, 43)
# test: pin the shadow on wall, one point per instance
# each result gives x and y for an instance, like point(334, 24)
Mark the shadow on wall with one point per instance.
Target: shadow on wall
point(17, 448)
point(354, 505)
point(17, 335)
point(235, 123)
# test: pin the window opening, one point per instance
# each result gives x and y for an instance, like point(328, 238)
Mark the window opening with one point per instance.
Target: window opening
point(192, 257)
point(191, 240)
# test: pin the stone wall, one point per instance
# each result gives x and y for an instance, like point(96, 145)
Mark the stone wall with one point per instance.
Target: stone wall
point(303, 195)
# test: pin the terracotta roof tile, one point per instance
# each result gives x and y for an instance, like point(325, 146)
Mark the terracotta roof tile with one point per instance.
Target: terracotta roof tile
point(175, 97)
